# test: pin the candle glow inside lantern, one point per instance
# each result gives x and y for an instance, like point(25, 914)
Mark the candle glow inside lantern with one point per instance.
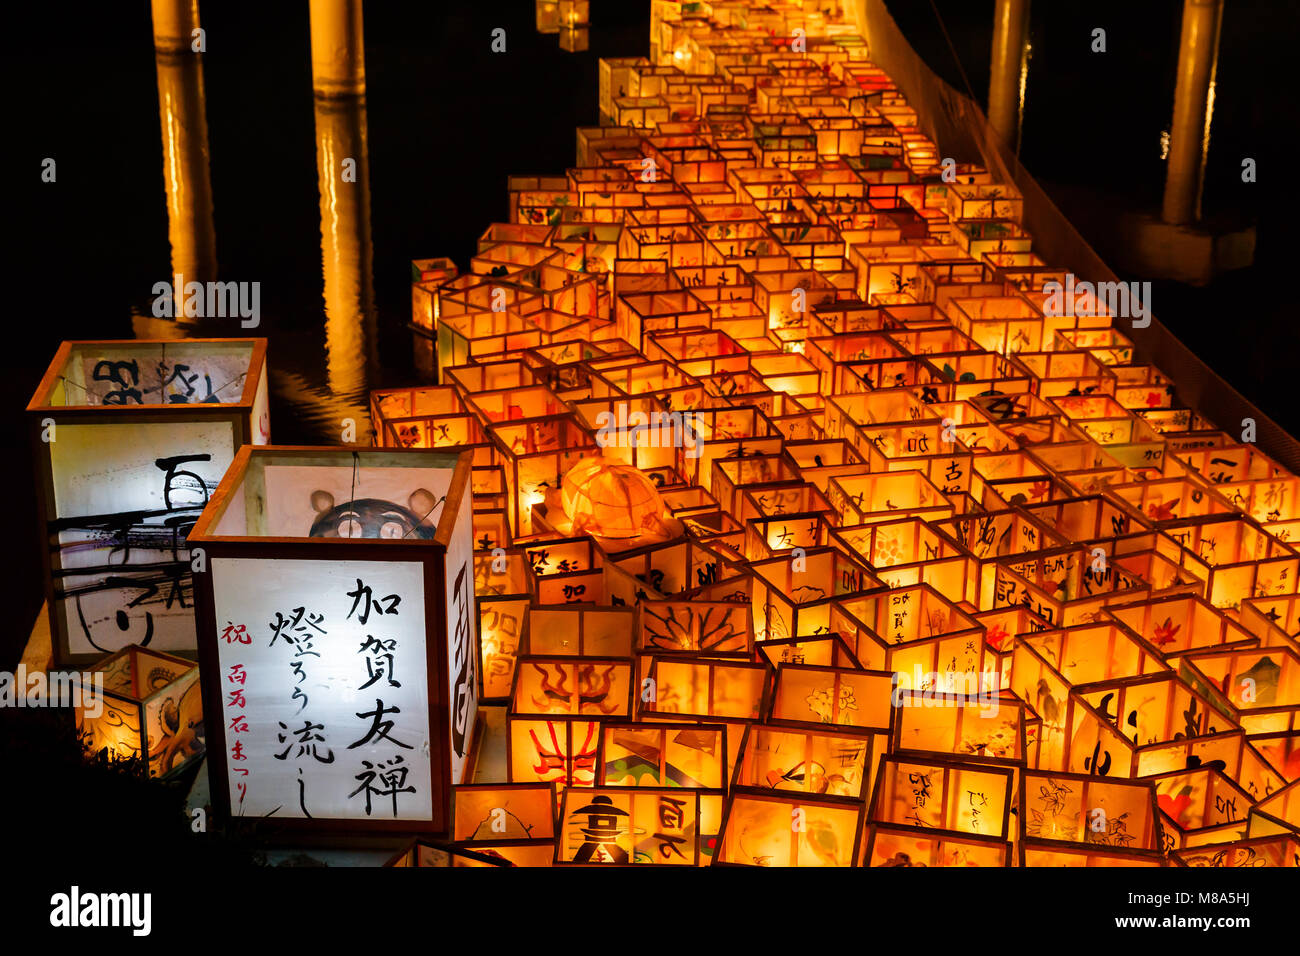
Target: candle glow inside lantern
point(151, 710)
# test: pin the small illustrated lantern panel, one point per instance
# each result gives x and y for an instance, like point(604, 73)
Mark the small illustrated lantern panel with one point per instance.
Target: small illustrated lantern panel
point(944, 796)
point(1281, 851)
point(1140, 726)
point(1092, 810)
point(625, 827)
point(337, 627)
point(560, 751)
point(130, 440)
point(805, 694)
point(702, 689)
point(805, 761)
point(664, 755)
point(1200, 806)
point(581, 631)
point(1259, 689)
point(989, 729)
point(789, 831)
point(586, 687)
point(151, 710)
point(715, 627)
point(495, 813)
point(909, 846)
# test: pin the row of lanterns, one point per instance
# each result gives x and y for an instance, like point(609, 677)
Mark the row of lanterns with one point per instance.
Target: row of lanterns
point(765, 513)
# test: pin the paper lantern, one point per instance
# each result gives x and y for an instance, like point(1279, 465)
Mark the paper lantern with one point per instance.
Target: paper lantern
point(337, 636)
point(629, 827)
point(808, 762)
point(761, 830)
point(1090, 810)
point(1262, 851)
point(512, 823)
point(900, 846)
point(944, 796)
point(151, 711)
point(611, 500)
point(1200, 806)
point(130, 440)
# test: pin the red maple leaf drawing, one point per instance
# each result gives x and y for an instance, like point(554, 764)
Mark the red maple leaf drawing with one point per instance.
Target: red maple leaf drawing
point(1162, 511)
point(995, 636)
point(1165, 632)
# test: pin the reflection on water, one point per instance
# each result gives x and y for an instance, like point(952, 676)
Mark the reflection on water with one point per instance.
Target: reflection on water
point(343, 175)
point(320, 384)
point(181, 113)
point(312, 407)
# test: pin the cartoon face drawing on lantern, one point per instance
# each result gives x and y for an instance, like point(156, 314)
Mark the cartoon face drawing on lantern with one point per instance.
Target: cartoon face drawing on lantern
point(373, 517)
point(576, 769)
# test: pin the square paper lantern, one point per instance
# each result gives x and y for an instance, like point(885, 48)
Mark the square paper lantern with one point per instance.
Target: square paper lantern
point(622, 827)
point(811, 696)
point(805, 761)
point(337, 618)
point(664, 755)
point(1140, 726)
point(513, 822)
point(130, 440)
point(789, 830)
point(909, 846)
point(1200, 806)
point(555, 714)
point(1092, 810)
point(1281, 851)
point(152, 711)
point(944, 795)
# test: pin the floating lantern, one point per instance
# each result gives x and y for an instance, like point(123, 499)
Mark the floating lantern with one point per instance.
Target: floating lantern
point(612, 500)
point(337, 635)
point(130, 440)
point(151, 711)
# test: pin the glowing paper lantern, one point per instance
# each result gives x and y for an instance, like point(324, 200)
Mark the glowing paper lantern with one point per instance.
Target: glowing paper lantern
point(611, 500)
point(337, 636)
point(130, 440)
point(151, 711)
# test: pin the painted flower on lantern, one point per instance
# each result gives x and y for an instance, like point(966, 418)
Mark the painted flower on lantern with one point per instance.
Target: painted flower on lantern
point(995, 636)
point(888, 552)
point(1039, 488)
point(822, 702)
point(1164, 633)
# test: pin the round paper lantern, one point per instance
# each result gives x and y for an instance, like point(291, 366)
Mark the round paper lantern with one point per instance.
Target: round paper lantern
point(611, 500)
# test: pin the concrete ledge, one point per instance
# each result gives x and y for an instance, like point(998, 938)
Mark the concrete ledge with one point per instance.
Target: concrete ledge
point(1193, 254)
